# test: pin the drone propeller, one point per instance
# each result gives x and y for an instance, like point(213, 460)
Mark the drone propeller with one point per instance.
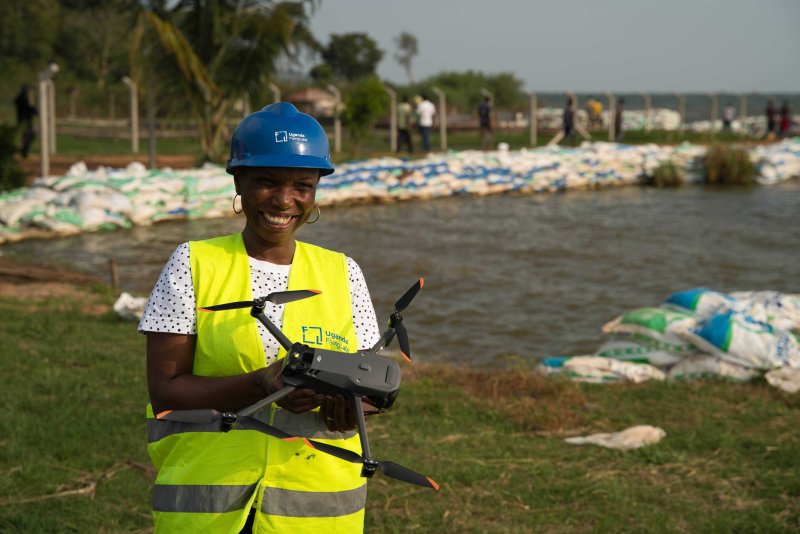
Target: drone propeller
point(281, 297)
point(390, 469)
point(396, 320)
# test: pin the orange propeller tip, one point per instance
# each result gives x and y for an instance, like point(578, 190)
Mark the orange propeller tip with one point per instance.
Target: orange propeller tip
point(406, 356)
point(434, 485)
point(205, 309)
point(421, 281)
point(165, 413)
point(317, 291)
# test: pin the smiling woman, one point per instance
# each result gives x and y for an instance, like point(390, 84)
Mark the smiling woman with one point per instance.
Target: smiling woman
point(276, 202)
point(226, 360)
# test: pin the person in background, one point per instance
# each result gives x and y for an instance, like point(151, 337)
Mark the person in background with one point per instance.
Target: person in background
point(243, 480)
point(728, 116)
point(618, 115)
point(485, 123)
point(786, 119)
point(568, 120)
point(404, 119)
point(25, 113)
point(594, 111)
point(426, 111)
point(772, 122)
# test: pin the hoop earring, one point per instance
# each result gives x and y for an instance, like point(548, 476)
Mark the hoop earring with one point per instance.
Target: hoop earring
point(319, 214)
point(234, 204)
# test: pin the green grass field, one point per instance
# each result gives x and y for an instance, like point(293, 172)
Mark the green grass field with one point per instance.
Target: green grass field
point(73, 457)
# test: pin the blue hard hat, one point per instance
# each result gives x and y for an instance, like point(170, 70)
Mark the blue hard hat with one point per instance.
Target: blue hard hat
point(280, 136)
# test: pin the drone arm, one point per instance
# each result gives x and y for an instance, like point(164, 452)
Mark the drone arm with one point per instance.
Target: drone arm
point(385, 339)
point(266, 401)
point(274, 330)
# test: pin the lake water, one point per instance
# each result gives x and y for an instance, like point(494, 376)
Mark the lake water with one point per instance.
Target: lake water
point(533, 275)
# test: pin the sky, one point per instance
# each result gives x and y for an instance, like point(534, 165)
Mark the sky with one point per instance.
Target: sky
point(586, 45)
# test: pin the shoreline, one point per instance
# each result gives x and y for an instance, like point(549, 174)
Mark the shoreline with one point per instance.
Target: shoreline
point(84, 200)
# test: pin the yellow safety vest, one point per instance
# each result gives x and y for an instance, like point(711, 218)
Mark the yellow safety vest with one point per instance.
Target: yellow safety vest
point(208, 480)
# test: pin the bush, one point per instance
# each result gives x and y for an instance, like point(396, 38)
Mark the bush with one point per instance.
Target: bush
point(667, 174)
point(11, 176)
point(728, 165)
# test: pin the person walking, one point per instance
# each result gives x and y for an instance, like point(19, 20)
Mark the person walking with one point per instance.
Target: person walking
point(728, 116)
point(772, 116)
point(242, 480)
point(404, 119)
point(785, 125)
point(485, 123)
point(426, 111)
point(25, 113)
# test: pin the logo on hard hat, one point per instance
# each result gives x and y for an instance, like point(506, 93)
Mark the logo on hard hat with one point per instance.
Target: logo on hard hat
point(284, 136)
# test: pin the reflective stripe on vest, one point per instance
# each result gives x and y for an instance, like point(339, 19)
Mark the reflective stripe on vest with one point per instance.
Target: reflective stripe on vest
point(201, 498)
point(207, 479)
point(282, 502)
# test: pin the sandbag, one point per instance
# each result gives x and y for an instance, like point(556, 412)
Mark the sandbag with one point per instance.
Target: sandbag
point(598, 370)
point(701, 302)
point(658, 328)
point(703, 366)
point(627, 349)
point(741, 339)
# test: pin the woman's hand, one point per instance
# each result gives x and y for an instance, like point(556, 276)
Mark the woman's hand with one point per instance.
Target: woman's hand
point(298, 401)
point(339, 413)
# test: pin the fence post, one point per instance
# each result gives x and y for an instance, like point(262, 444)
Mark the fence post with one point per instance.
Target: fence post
point(714, 113)
point(73, 95)
point(648, 106)
point(533, 121)
point(51, 97)
point(134, 111)
point(392, 118)
point(612, 115)
point(743, 114)
point(337, 120)
point(151, 128)
point(46, 108)
point(442, 118)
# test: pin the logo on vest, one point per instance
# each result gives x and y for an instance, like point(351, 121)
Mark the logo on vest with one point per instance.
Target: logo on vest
point(312, 334)
point(315, 335)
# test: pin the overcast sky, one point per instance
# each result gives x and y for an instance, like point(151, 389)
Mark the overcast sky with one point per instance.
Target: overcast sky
point(587, 45)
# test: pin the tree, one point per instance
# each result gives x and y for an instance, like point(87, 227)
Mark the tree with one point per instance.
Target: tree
point(463, 89)
point(363, 106)
point(352, 56)
point(215, 52)
point(100, 55)
point(406, 50)
point(28, 29)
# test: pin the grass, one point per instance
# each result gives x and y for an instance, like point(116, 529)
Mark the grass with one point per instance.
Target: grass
point(666, 174)
point(72, 452)
point(728, 165)
point(374, 145)
point(72, 145)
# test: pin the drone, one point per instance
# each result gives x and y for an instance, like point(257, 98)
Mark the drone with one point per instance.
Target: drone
point(360, 376)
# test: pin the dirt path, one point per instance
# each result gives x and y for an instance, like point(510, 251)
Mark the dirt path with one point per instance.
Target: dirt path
point(32, 282)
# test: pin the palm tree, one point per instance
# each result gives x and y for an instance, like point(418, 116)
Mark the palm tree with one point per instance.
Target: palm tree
point(211, 53)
